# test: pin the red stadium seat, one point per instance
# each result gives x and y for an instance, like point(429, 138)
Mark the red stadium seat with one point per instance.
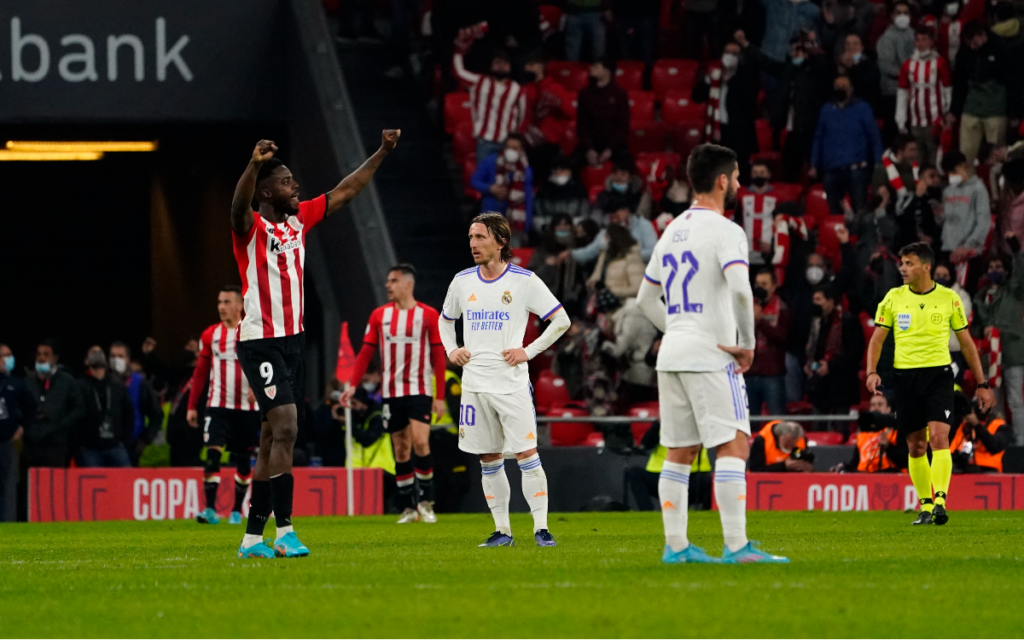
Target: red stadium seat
point(468, 169)
point(647, 136)
point(669, 75)
point(686, 136)
point(571, 75)
point(800, 408)
point(550, 392)
point(678, 107)
point(594, 439)
point(787, 192)
point(595, 174)
point(828, 240)
point(647, 158)
point(826, 438)
point(550, 19)
point(521, 257)
point(640, 428)
point(641, 107)
point(463, 142)
point(593, 192)
point(569, 139)
point(629, 74)
point(764, 134)
point(817, 203)
point(456, 110)
point(569, 434)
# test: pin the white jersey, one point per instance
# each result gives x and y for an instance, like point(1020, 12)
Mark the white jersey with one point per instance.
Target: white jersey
point(495, 313)
point(689, 264)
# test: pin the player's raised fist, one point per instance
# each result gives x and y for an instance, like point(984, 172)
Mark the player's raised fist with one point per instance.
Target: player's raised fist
point(265, 150)
point(389, 139)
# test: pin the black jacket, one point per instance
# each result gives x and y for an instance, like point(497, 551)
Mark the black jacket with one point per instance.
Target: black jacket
point(109, 415)
point(805, 88)
point(60, 408)
point(740, 105)
point(977, 69)
point(17, 406)
point(865, 78)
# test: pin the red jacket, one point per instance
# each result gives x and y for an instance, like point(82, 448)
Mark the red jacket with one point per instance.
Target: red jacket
point(771, 333)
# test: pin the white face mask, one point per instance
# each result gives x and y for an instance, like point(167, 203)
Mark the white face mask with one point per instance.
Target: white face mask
point(559, 179)
point(119, 364)
point(902, 21)
point(956, 180)
point(952, 8)
point(815, 274)
point(511, 155)
point(730, 60)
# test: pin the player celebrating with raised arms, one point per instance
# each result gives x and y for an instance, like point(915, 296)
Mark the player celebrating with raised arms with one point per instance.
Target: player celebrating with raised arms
point(921, 313)
point(700, 266)
point(270, 247)
point(494, 300)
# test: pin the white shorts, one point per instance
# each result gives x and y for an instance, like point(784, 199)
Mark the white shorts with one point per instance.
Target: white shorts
point(705, 408)
point(497, 423)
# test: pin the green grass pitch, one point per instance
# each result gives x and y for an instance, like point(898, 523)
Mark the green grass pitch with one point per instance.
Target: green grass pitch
point(852, 574)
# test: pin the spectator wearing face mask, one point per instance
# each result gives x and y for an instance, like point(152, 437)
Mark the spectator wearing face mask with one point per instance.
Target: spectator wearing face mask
point(619, 268)
point(506, 181)
point(955, 16)
point(846, 147)
point(755, 207)
point(982, 93)
point(1001, 306)
point(784, 20)
point(17, 407)
point(618, 214)
point(602, 117)
point(59, 410)
point(862, 70)
point(730, 88)
point(835, 349)
point(148, 418)
point(944, 277)
point(105, 433)
point(915, 214)
point(966, 216)
point(564, 278)
point(925, 90)
point(894, 48)
point(623, 185)
point(766, 379)
point(562, 194)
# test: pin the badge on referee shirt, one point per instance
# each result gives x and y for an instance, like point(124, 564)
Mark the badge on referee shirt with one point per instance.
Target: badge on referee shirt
point(903, 321)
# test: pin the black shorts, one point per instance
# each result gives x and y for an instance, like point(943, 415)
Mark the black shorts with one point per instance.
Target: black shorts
point(276, 371)
point(233, 429)
point(922, 396)
point(397, 412)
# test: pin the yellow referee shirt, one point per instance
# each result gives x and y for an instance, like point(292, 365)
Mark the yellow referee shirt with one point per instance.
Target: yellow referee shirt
point(920, 323)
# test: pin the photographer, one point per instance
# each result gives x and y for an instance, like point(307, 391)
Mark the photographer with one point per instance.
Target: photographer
point(978, 444)
point(781, 446)
point(878, 449)
point(371, 446)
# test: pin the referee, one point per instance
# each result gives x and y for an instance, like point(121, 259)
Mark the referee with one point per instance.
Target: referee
point(922, 313)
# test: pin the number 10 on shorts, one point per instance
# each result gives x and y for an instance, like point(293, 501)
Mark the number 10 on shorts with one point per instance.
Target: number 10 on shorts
point(467, 416)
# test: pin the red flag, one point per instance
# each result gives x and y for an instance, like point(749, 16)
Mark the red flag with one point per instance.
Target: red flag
point(346, 356)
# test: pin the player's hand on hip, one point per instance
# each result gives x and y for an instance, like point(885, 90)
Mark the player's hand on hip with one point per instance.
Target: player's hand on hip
point(439, 407)
point(986, 400)
point(515, 356)
point(460, 357)
point(192, 418)
point(265, 150)
point(744, 357)
point(389, 139)
point(346, 397)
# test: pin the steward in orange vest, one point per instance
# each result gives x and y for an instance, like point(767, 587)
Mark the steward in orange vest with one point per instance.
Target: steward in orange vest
point(978, 447)
point(878, 449)
point(767, 452)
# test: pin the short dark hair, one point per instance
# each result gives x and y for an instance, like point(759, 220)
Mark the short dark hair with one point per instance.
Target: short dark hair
point(497, 224)
point(268, 168)
point(127, 349)
point(925, 167)
point(515, 135)
point(924, 30)
point(766, 270)
point(706, 163)
point(952, 160)
point(900, 142)
point(500, 54)
point(561, 162)
point(607, 62)
point(973, 29)
point(905, 3)
point(52, 343)
point(404, 267)
point(615, 203)
point(231, 288)
point(920, 249)
point(761, 163)
point(826, 290)
point(624, 165)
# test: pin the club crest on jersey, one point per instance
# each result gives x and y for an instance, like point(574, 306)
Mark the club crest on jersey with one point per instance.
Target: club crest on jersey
point(271, 391)
point(506, 298)
point(903, 321)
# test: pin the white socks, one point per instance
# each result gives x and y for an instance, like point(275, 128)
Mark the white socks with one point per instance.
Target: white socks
point(497, 493)
point(731, 496)
point(283, 531)
point(674, 494)
point(250, 539)
point(535, 489)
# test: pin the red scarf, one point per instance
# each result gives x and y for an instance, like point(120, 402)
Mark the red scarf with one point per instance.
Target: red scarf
point(785, 225)
point(712, 119)
point(893, 174)
point(513, 175)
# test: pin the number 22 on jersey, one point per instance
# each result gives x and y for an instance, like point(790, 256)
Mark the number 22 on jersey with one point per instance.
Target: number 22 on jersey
point(687, 262)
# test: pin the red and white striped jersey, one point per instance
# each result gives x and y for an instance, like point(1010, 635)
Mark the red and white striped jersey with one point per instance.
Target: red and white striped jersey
point(757, 210)
point(270, 259)
point(497, 108)
point(405, 337)
point(229, 388)
point(924, 91)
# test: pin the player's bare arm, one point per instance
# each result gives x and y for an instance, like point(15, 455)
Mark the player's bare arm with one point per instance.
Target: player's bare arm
point(874, 381)
point(985, 397)
point(356, 181)
point(241, 204)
